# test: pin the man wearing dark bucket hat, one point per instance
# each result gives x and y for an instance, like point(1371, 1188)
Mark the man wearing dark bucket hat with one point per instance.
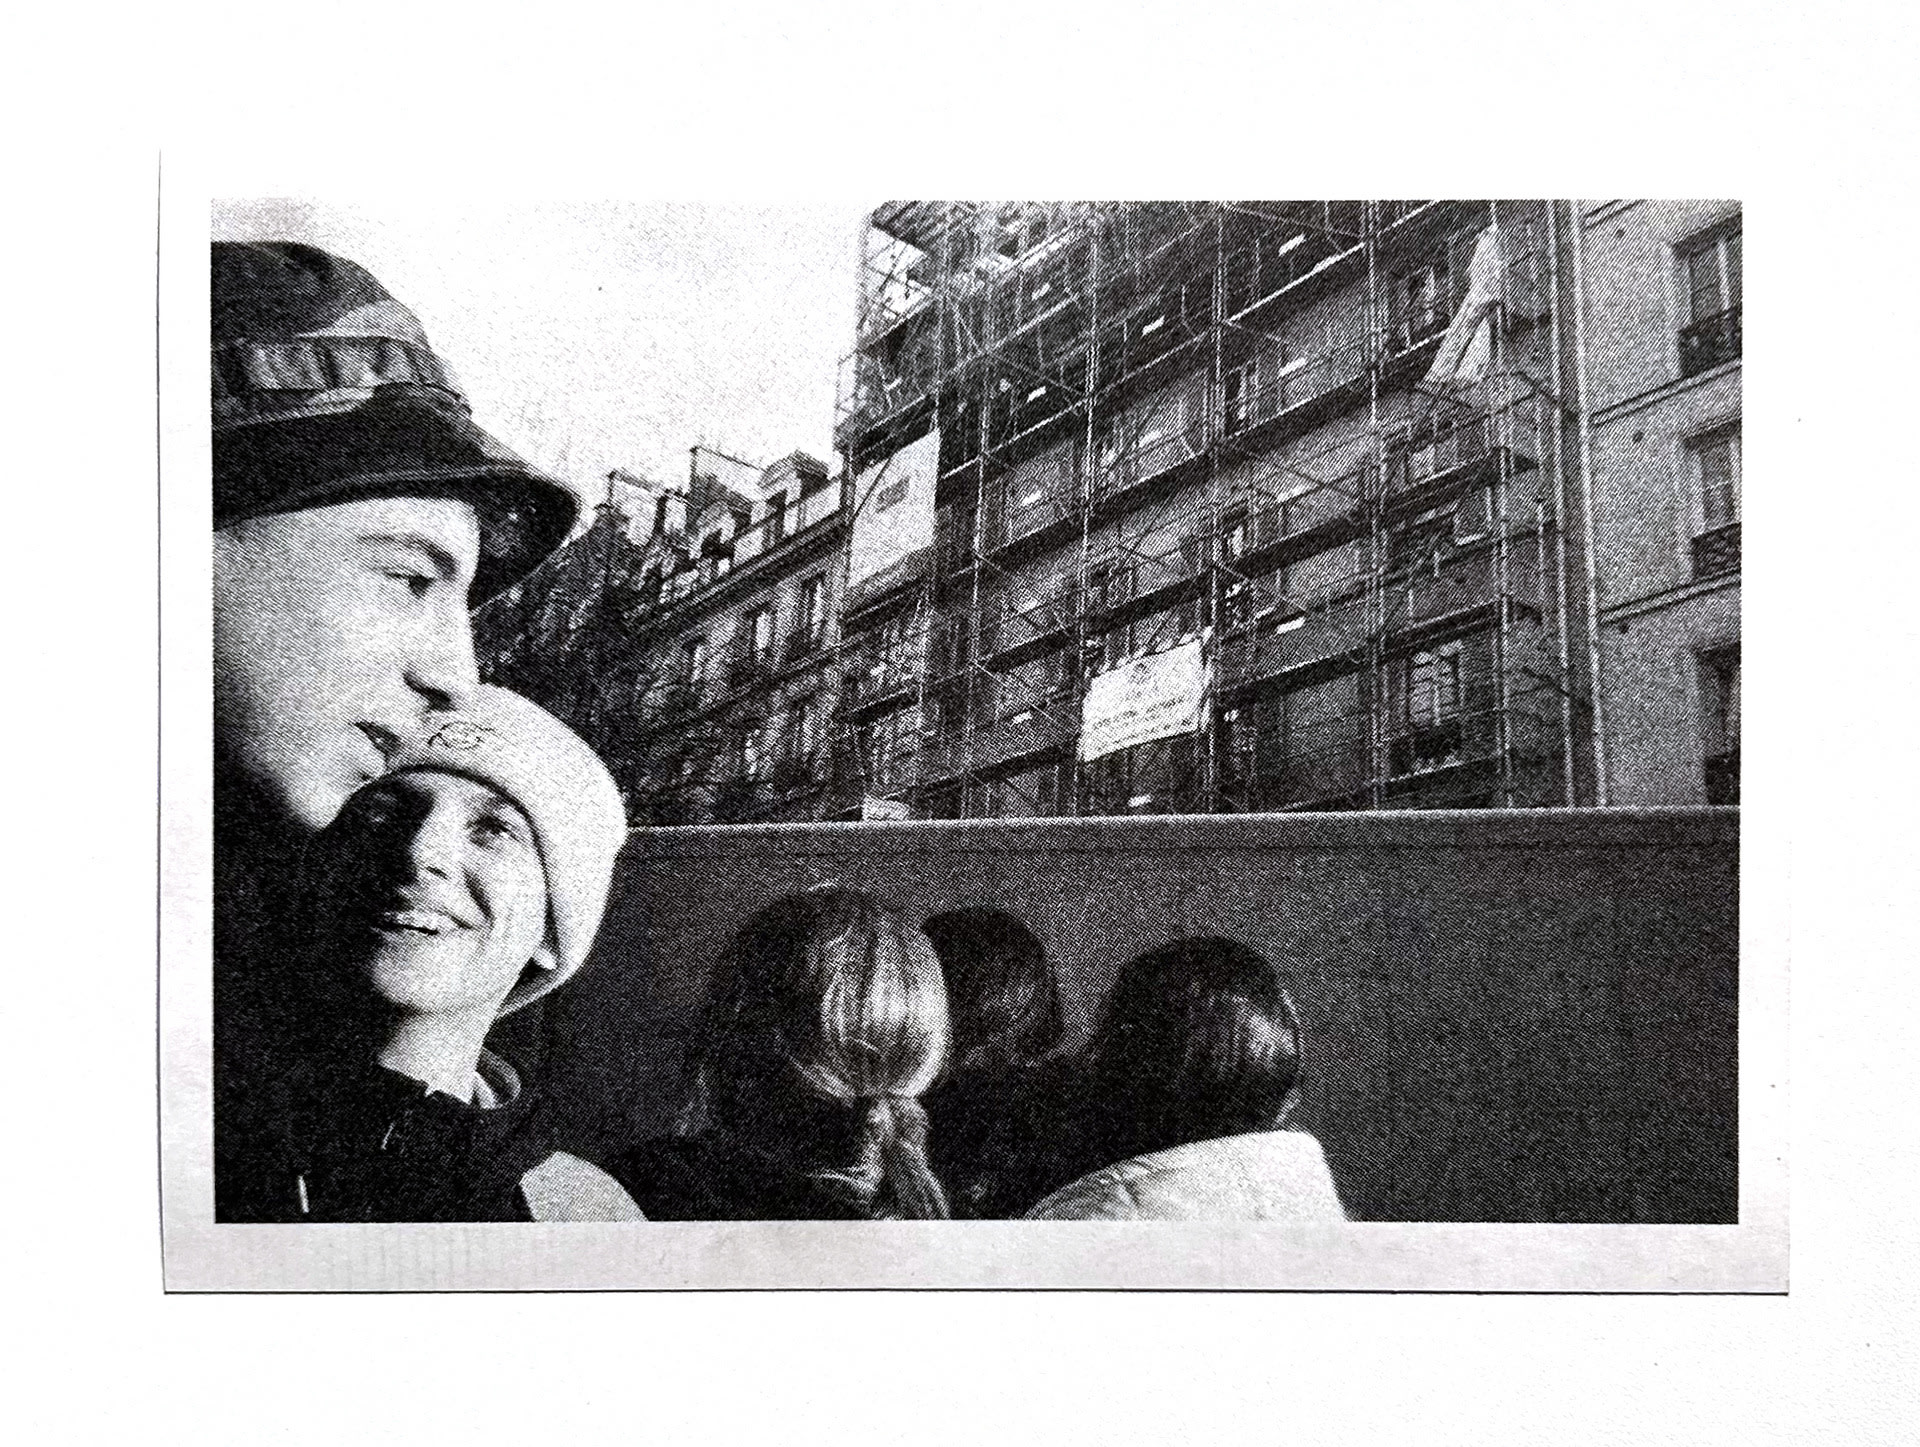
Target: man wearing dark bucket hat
point(358, 512)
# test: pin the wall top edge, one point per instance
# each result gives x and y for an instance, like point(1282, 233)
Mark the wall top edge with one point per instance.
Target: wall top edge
point(1630, 828)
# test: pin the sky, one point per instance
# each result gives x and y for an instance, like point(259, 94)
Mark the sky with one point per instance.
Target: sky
point(596, 335)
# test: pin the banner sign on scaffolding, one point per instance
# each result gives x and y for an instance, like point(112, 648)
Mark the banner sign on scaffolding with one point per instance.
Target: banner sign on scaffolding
point(1467, 349)
point(888, 810)
point(892, 530)
point(1160, 696)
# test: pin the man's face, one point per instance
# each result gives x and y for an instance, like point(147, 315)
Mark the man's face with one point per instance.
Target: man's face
point(334, 630)
point(433, 890)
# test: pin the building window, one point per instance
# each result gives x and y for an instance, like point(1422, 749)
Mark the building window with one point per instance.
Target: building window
point(1239, 735)
point(812, 613)
point(1433, 685)
point(886, 748)
point(1713, 458)
point(1422, 542)
point(1420, 299)
point(1713, 276)
point(760, 634)
point(1242, 384)
point(693, 661)
point(1432, 736)
point(1716, 469)
point(776, 518)
point(718, 553)
point(1234, 535)
point(1710, 272)
point(800, 729)
point(1720, 723)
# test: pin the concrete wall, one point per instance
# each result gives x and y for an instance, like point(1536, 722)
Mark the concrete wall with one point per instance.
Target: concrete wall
point(1510, 1016)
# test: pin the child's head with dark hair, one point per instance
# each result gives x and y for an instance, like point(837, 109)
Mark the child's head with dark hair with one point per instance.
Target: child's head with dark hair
point(1001, 995)
point(1199, 1041)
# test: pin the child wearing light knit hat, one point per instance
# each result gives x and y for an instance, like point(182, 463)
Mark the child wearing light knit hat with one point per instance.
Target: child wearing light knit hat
point(465, 883)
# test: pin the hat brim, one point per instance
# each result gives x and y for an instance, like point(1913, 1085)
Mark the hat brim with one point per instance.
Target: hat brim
point(403, 442)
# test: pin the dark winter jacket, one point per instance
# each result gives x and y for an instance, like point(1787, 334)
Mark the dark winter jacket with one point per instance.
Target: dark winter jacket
point(717, 1177)
point(998, 1142)
point(381, 1146)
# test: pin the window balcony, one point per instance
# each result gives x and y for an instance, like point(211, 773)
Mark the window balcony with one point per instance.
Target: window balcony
point(679, 699)
point(802, 643)
point(1723, 778)
point(749, 667)
point(1006, 627)
point(1709, 342)
point(794, 772)
point(1717, 551)
point(874, 678)
point(1322, 633)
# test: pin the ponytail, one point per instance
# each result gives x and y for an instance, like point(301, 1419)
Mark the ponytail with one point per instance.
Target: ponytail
point(908, 1184)
point(890, 1178)
point(834, 999)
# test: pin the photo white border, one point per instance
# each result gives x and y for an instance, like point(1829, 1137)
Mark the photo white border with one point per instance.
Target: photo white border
point(1750, 1257)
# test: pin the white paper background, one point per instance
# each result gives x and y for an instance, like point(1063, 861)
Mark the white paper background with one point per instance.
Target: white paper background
point(1805, 116)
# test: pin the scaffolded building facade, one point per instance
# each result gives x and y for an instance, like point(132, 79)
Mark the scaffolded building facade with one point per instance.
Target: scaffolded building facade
point(1169, 424)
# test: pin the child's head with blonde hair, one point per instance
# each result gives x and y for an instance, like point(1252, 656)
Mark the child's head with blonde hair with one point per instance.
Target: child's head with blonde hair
point(828, 1022)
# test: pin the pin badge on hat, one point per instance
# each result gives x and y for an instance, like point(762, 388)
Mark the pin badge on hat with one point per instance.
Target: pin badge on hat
point(461, 736)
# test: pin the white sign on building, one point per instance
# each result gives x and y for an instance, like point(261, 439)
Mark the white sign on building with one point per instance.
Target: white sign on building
point(1160, 696)
point(893, 518)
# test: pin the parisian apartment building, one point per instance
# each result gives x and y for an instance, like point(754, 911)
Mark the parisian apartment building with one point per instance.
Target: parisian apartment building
point(1198, 508)
point(1662, 390)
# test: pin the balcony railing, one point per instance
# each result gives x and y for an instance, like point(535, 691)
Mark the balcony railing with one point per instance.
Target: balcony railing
point(1270, 520)
point(1007, 626)
point(748, 666)
point(1717, 552)
point(1326, 761)
point(1047, 723)
point(802, 643)
point(1457, 582)
point(1423, 747)
point(1257, 272)
point(1709, 342)
point(792, 772)
point(1303, 380)
point(1723, 778)
point(1322, 632)
point(873, 677)
point(1158, 448)
point(1410, 326)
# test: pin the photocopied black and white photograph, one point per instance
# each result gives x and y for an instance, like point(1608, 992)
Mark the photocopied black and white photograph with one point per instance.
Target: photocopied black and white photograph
point(943, 743)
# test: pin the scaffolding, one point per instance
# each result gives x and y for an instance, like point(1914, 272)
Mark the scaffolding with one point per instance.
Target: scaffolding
point(1162, 422)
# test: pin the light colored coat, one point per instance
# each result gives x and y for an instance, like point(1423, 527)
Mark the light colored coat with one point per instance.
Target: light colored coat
point(565, 1188)
point(1275, 1175)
